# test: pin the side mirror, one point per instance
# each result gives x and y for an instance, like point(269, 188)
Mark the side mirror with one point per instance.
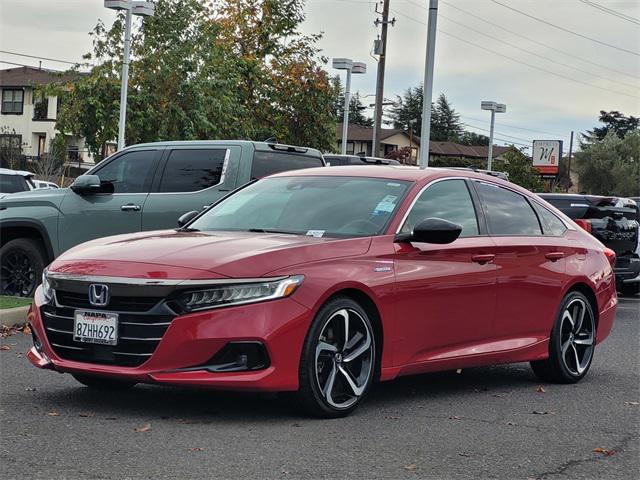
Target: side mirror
point(90, 185)
point(432, 230)
point(187, 217)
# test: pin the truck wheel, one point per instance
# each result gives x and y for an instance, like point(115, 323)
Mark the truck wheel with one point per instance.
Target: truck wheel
point(21, 263)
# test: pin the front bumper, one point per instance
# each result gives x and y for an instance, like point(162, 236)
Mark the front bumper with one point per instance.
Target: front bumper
point(627, 270)
point(192, 340)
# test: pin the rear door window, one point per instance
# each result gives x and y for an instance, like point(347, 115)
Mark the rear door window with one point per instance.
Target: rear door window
point(267, 163)
point(12, 184)
point(190, 170)
point(507, 212)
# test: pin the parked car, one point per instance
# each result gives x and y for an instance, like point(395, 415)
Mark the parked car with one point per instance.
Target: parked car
point(612, 220)
point(493, 173)
point(13, 181)
point(335, 160)
point(44, 184)
point(321, 281)
point(143, 187)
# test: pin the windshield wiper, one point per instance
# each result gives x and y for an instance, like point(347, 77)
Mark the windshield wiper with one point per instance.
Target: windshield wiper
point(262, 230)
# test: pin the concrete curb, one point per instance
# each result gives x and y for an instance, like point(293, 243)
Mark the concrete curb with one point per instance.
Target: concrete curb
point(14, 316)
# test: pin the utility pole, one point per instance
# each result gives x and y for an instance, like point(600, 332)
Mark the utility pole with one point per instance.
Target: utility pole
point(429, 67)
point(570, 154)
point(377, 122)
point(124, 81)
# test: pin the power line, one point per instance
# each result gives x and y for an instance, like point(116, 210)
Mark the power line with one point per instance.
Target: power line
point(538, 55)
point(621, 16)
point(499, 133)
point(550, 47)
point(42, 58)
point(517, 128)
point(595, 40)
point(17, 64)
point(518, 61)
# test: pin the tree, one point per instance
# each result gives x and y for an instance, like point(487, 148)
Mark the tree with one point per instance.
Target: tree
point(445, 124)
point(613, 121)
point(11, 149)
point(472, 138)
point(611, 166)
point(206, 70)
point(356, 107)
point(51, 163)
point(408, 110)
point(520, 169)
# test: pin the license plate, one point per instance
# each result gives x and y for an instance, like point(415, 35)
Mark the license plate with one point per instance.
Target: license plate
point(95, 327)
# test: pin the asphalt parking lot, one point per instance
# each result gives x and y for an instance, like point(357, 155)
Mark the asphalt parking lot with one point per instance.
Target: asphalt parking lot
point(497, 422)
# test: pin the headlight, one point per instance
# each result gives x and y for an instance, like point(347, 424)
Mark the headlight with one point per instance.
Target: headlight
point(47, 291)
point(239, 293)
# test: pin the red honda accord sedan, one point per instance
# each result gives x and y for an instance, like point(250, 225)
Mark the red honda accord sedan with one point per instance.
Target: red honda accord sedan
point(324, 280)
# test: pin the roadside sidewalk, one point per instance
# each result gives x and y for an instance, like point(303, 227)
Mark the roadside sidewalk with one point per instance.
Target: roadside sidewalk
point(11, 317)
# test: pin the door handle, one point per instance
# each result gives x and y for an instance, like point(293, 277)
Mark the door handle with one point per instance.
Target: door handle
point(130, 207)
point(554, 256)
point(483, 258)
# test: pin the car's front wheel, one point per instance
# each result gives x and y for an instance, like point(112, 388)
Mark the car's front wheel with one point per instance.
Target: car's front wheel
point(338, 359)
point(103, 383)
point(573, 339)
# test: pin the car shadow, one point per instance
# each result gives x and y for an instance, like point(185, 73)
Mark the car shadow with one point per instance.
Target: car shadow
point(202, 406)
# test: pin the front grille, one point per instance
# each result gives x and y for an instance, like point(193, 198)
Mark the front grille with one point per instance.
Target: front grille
point(138, 334)
point(125, 304)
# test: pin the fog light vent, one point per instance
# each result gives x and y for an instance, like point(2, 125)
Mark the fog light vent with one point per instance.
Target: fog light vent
point(238, 357)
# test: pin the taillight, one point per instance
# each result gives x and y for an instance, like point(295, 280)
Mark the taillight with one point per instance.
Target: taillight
point(611, 255)
point(584, 224)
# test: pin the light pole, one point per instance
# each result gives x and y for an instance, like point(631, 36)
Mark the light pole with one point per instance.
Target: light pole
point(425, 131)
point(351, 67)
point(495, 108)
point(143, 9)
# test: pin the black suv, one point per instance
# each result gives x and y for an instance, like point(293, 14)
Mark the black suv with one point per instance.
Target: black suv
point(335, 160)
point(612, 220)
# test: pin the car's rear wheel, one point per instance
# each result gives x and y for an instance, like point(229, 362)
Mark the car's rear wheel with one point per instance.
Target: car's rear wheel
point(338, 360)
point(21, 263)
point(103, 383)
point(573, 339)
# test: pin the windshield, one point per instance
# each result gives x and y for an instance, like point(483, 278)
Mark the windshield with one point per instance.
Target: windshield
point(317, 206)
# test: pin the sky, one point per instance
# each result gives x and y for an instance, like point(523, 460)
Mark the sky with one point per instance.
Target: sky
point(553, 80)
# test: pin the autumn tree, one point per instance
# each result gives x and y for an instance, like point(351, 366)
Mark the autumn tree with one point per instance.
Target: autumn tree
point(206, 70)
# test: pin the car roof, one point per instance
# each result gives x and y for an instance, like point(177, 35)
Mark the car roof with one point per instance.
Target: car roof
point(394, 172)
point(262, 146)
point(8, 171)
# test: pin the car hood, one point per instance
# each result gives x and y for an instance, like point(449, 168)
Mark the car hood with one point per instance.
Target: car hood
point(229, 254)
point(40, 196)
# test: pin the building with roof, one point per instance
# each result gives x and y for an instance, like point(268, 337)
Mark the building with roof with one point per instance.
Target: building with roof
point(28, 120)
point(360, 141)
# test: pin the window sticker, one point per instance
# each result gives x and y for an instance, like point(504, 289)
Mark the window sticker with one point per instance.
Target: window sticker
point(386, 205)
point(315, 233)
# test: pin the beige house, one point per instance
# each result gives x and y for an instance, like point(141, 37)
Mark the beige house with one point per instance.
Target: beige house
point(28, 119)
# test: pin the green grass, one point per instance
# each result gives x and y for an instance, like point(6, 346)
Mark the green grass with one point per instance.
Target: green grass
point(11, 302)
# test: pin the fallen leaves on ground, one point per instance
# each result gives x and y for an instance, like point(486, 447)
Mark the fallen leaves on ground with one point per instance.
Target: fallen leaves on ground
point(392, 417)
point(464, 454)
point(632, 403)
point(86, 414)
point(53, 414)
point(144, 428)
point(542, 412)
point(604, 451)
point(454, 417)
point(411, 467)
point(5, 348)
point(540, 389)
point(7, 331)
point(511, 424)
point(30, 389)
point(196, 449)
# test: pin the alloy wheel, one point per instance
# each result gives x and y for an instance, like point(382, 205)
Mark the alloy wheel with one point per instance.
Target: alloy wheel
point(577, 336)
point(344, 358)
point(18, 274)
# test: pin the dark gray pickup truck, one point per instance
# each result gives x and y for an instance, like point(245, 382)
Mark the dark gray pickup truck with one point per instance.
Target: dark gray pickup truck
point(612, 220)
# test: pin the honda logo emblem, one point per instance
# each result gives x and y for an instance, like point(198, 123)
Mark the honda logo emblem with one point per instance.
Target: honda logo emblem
point(98, 295)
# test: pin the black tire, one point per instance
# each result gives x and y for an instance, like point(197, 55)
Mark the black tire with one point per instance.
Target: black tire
point(103, 383)
point(572, 342)
point(342, 399)
point(21, 263)
point(630, 289)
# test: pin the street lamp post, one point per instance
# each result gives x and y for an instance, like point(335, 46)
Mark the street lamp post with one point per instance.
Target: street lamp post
point(494, 108)
point(429, 66)
point(143, 9)
point(351, 67)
